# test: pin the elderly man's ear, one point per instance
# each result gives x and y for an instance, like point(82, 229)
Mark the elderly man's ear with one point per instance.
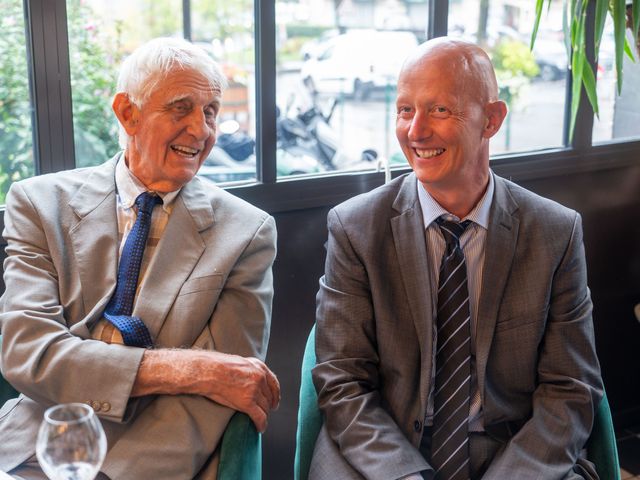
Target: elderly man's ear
point(127, 112)
point(495, 113)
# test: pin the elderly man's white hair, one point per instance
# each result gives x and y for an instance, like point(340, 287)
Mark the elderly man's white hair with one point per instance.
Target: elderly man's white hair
point(150, 63)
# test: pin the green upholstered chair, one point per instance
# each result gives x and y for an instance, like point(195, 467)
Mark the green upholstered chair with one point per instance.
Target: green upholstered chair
point(601, 446)
point(240, 450)
point(309, 416)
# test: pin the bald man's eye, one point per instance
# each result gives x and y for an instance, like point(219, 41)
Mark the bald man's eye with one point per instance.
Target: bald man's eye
point(405, 112)
point(440, 111)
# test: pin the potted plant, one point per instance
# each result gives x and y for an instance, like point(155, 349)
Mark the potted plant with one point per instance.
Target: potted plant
point(624, 13)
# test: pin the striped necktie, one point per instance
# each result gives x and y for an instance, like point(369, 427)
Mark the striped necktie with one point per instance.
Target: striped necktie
point(118, 312)
point(450, 437)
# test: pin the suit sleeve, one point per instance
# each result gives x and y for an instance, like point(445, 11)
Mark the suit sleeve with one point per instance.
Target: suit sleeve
point(569, 386)
point(346, 376)
point(41, 356)
point(240, 325)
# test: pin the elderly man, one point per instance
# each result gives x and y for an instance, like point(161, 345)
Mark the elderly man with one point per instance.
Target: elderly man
point(165, 341)
point(454, 332)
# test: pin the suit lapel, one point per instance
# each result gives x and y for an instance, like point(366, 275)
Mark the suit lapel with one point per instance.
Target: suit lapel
point(409, 240)
point(500, 248)
point(176, 255)
point(96, 231)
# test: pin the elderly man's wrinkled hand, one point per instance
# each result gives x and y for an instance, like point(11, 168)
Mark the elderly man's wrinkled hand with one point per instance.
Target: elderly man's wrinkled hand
point(244, 384)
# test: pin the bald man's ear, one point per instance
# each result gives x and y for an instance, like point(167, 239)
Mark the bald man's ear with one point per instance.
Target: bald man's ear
point(127, 112)
point(495, 113)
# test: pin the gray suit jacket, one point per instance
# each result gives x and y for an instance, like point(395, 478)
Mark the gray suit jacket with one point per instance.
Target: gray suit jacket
point(537, 369)
point(209, 286)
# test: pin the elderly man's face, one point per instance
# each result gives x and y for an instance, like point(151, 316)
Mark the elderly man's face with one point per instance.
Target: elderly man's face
point(441, 125)
point(173, 132)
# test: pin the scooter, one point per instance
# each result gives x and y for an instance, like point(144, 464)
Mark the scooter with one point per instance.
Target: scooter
point(308, 131)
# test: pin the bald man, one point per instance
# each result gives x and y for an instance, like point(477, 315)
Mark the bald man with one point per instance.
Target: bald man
point(454, 331)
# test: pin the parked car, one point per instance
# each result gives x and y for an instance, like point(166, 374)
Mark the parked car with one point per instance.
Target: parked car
point(551, 56)
point(356, 62)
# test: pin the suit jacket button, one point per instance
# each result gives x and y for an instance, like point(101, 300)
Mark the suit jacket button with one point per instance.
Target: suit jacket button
point(417, 425)
point(106, 406)
point(95, 405)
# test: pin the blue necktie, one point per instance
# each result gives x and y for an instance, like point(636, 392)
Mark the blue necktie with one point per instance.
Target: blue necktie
point(450, 437)
point(118, 311)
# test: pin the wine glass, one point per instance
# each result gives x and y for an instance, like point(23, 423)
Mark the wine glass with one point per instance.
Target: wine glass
point(71, 443)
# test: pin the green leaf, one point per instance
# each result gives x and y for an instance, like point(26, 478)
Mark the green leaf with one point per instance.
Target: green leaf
point(619, 23)
point(536, 24)
point(589, 82)
point(565, 28)
point(601, 16)
point(628, 50)
point(578, 61)
point(635, 11)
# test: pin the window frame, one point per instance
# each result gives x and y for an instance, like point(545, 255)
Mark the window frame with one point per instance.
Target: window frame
point(47, 45)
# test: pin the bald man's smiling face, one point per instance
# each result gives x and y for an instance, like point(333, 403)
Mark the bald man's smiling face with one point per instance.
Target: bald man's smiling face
point(442, 121)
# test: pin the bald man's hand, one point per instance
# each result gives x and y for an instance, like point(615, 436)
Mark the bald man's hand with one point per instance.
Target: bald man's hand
point(244, 384)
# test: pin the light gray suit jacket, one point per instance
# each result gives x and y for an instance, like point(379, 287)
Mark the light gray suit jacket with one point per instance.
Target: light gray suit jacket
point(536, 364)
point(209, 286)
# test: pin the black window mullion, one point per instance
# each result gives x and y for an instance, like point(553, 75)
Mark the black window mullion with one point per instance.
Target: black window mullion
point(438, 18)
point(50, 83)
point(186, 19)
point(265, 78)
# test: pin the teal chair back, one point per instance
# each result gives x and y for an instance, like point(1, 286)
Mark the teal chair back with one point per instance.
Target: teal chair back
point(601, 446)
point(309, 416)
point(240, 450)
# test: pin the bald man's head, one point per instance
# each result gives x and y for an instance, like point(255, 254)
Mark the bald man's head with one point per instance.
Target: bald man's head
point(466, 65)
point(448, 109)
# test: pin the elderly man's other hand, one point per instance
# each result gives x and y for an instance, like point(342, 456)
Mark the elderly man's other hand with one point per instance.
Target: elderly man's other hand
point(244, 384)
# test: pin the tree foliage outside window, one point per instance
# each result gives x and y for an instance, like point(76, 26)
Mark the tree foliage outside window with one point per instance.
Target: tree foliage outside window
point(94, 72)
point(93, 79)
point(16, 143)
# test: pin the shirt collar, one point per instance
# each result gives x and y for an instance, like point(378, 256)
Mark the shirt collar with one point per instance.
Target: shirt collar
point(432, 210)
point(129, 187)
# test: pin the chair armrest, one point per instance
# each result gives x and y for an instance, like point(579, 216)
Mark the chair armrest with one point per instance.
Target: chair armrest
point(240, 450)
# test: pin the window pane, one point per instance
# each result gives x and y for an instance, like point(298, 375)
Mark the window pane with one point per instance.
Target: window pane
point(619, 115)
point(103, 32)
point(532, 84)
point(225, 29)
point(337, 66)
point(16, 141)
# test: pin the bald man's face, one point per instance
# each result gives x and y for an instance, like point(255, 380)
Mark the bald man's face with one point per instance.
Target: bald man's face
point(441, 123)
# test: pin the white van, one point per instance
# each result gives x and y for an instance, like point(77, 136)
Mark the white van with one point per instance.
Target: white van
point(358, 61)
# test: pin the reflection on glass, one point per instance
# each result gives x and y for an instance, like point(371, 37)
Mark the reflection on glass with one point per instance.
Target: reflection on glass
point(103, 32)
point(531, 83)
point(337, 67)
point(71, 443)
point(16, 144)
point(619, 115)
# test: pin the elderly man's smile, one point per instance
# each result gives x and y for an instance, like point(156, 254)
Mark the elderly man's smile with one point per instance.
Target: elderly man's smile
point(185, 151)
